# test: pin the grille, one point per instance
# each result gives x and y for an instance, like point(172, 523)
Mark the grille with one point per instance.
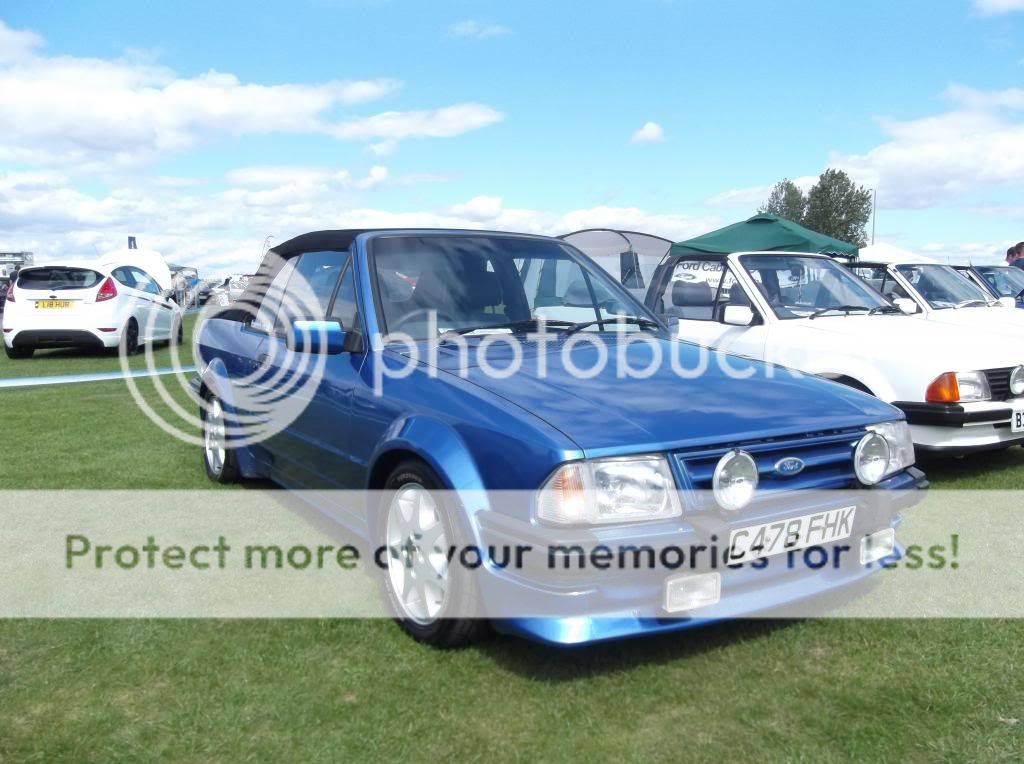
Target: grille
point(999, 382)
point(827, 458)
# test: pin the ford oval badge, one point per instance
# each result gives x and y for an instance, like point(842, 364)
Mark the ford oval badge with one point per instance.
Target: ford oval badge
point(789, 466)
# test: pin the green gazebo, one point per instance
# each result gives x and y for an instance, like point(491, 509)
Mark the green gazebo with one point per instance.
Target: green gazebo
point(763, 233)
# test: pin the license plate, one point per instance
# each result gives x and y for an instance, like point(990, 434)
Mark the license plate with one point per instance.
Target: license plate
point(1017, 420)
point(756, 541)
point(53, 304)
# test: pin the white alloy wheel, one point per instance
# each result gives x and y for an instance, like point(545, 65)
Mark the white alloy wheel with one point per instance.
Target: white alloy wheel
point(417, 564)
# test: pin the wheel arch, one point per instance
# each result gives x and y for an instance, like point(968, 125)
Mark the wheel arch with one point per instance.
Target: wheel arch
point(438, 446)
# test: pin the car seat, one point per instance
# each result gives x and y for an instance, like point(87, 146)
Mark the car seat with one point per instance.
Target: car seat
point(692, 300)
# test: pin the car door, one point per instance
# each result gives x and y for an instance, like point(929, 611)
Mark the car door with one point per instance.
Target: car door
point(693, 301)
point(308, 425)
point(325, 424)
point(137, 301)
point(161, 312)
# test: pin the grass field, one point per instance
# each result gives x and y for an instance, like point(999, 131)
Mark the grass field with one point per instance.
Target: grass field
point(825, 690)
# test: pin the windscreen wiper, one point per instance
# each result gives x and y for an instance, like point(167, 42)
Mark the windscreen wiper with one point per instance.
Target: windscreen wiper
point(840, 308)
point(643, 322)
point(971, 303)
point(514, 326)
point(884, 309)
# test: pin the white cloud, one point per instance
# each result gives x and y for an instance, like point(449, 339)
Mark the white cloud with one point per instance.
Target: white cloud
point(753, 196)
point(997, 7)
point(978, 253)
point(977, 145)
point(17, 44)
point(651, 132)
point(392, 126)
point(477, 30)
point(221, 232)
point(94, 114)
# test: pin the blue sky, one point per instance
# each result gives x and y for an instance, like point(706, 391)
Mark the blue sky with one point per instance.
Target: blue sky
point(204, 127)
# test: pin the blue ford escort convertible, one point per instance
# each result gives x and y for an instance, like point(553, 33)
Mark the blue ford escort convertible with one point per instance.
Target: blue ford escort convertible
point(492, 390)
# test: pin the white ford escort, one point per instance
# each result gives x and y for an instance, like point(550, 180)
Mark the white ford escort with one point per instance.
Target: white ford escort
point(961, 390)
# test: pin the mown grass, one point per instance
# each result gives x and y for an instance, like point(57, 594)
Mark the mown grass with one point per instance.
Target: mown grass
point(823, 690)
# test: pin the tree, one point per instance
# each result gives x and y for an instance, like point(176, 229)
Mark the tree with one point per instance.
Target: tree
point(785, 201)
point(838, 208)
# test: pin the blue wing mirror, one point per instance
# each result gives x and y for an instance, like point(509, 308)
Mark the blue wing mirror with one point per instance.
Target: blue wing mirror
point(318, 337)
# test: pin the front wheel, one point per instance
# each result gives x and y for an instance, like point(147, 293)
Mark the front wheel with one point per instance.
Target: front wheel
point(218, 457)
point(177, 333)
point(417, 530)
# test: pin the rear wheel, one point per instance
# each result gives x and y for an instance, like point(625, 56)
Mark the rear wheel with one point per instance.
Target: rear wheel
point(218, 458)
point(417, 529)
point(177, 333)
point(16, 354)
point(130, 338)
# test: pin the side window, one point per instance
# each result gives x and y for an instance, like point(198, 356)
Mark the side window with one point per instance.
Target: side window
point(874, 277)
point(266, 315)
point(124, 276)
point(691, 291)
point(344, 308)
point(892, 289)
point(144, 282)
point(309, 290)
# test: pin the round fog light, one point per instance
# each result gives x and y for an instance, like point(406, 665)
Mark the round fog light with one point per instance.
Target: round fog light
point(735, 480)
point(1017, 381)
point(871, 458)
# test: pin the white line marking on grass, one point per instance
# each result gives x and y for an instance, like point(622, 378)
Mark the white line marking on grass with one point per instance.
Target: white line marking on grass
point(103, 376)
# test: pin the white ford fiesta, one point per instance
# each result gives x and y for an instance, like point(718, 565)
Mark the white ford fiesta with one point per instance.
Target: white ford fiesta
point(109, 306)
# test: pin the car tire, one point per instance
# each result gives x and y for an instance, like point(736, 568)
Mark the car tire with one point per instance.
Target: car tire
point(18, 354)
point(459, 588)
point(129, 338)
point(219, 459)
point(177, 333)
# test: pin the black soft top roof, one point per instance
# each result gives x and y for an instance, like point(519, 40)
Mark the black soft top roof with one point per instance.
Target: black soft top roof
point(319, 241)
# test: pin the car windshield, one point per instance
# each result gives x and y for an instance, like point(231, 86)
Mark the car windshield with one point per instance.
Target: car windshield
point(1006, 281)
point(804, 287)
point(942, 287)
point(58, 278)
point(432, 285)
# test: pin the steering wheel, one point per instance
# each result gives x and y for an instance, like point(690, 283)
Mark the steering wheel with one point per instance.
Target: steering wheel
point(442, 318)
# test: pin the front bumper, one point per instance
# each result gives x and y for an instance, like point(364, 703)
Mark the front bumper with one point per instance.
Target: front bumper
point(591, 609)
point(956, 428)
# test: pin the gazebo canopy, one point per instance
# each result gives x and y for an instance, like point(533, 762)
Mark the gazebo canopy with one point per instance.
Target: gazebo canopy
point(763, 233)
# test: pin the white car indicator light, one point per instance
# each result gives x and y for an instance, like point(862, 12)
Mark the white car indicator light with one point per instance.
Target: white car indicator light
point(690, 592)
point(877, 546)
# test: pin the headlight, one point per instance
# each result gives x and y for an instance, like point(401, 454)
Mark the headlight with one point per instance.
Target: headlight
point(1017, 381)
point(735, 480)
point(610, 491)
point(871, 458)
point(958, 386)
point(901, 445)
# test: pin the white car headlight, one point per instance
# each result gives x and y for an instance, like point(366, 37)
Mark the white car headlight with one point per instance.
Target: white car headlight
point(973, 386)
point(735, 480)
point(617, 490)
point(900, 446)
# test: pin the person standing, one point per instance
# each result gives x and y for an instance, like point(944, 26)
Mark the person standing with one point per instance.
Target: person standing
point(1015, 255)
